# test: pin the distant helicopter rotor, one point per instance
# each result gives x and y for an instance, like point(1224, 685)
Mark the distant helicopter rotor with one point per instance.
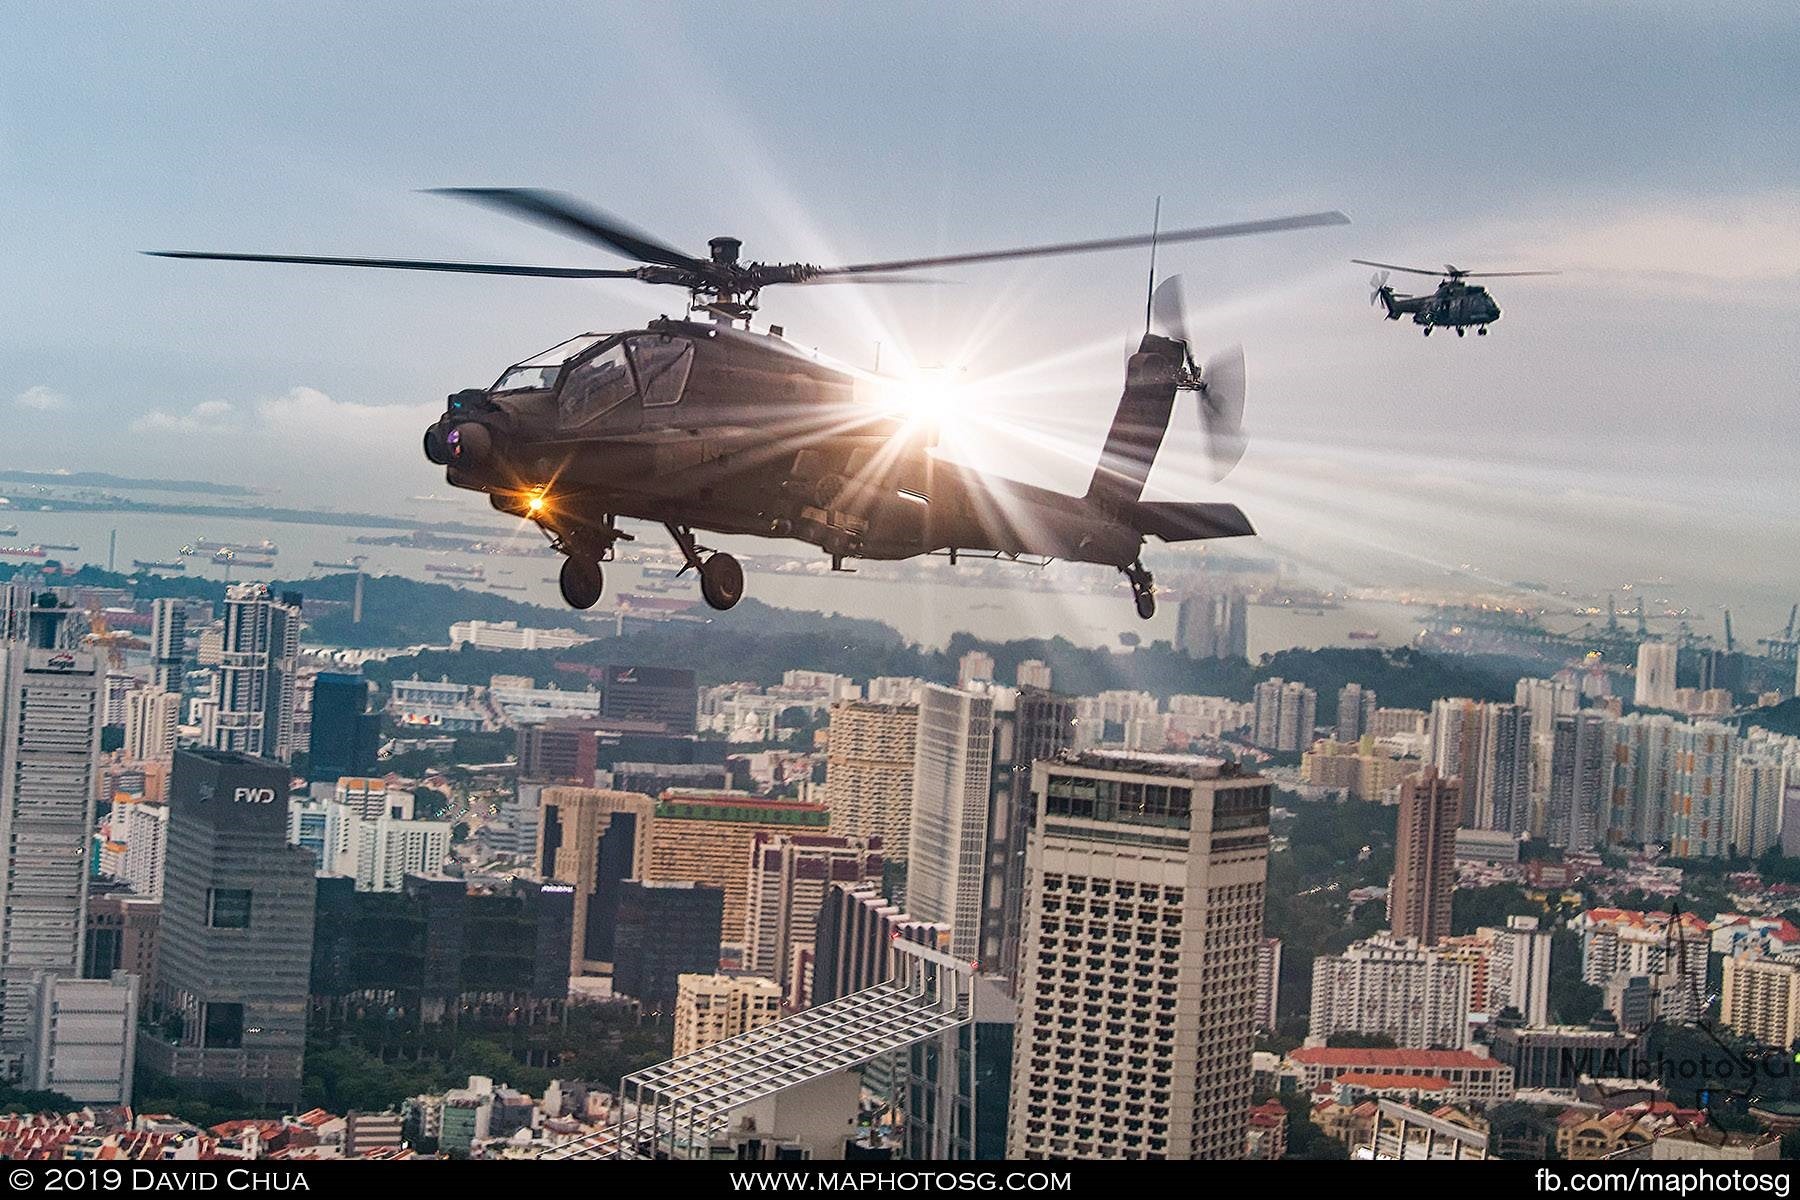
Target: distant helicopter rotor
point(1449, 271)
point(720, 283)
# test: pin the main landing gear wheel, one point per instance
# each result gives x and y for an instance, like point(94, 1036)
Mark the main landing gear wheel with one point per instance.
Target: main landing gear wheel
point(1143, 589)
point(1428, 331)
point(1482, 332)
point(721, 581)
point(1460, 331)
point(581, 582)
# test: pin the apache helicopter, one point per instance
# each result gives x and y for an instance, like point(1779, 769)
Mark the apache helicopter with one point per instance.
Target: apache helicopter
point(1455, 304)
point(702, 424)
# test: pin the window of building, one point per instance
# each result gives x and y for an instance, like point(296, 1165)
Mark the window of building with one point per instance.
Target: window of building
point(228, 908)
point(224, 1027)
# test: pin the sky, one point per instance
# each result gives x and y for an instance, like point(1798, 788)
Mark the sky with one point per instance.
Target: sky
point(1630, 419)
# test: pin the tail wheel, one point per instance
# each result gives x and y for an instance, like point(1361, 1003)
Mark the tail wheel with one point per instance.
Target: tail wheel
point(1146, 604)
point(722, 581)
point(581, 582)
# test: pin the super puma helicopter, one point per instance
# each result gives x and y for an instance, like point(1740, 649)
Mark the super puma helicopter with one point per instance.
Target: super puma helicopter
point(1454, 305)
point(701, 424)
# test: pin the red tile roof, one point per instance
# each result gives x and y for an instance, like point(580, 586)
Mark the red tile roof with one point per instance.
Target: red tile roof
point(1348, 1056)
point(1379, 1080)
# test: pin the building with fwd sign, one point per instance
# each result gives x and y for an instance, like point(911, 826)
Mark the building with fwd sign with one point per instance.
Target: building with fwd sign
point(228, 1009)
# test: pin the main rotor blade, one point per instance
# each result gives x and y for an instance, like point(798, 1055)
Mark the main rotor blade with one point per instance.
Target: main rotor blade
point(1504, 274)
point(1204, 233)
point(1391, 267)
point(567, 215)
point(405, 264)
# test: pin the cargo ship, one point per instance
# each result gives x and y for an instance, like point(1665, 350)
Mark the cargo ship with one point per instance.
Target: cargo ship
point(1364, 635)
point(231, 558)
point(22, 551)
point(64, 549)
point(203, 546)
point(456, 571)
point(139, 564)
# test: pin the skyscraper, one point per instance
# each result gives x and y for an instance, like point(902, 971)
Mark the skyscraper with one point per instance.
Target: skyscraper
point(151, 719)
point(1285, 715)
point(1759, 783)
point(1213, 624)
point(869, 771)
point(1655, 675)
point(1356, 712)
point(1425, 857)
point(664, 931)
point(1519, 975)
point(593, 840)
point(259, 659)
point(1700, 808)
point(789, 876)
point(168, 643)
point(1455, 745)
point(705, 837)
point(1502, 799)
point(857, 929)
point(1580, 780)
point(1039, 725)
point(1143, 915)
point(345, 735)
point(234, 948)
point(952, 777)
point(50, 706)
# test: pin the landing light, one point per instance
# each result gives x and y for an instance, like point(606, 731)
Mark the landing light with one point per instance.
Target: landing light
point(535, 504)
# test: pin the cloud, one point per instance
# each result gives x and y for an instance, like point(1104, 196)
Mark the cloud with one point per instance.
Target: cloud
point(41, 399)
point(206, 416)
point(308, 411)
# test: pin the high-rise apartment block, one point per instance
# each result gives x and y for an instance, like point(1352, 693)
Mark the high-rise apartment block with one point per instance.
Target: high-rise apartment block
point(1425, 857)
point(1356, 712)
point(1143, 915)
point(1418, 995)
point(1285, 714)
point(1213, 624)
point(869, 759)
point(152, 717)
point(259, 661)
point(1655, 686)
point(789, 876)
point(711, 1008)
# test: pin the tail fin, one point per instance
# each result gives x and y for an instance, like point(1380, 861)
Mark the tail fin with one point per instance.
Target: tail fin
point(1138, 426)
point(1387, 302)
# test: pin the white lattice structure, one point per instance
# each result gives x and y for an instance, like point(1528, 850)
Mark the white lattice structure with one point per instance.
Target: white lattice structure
point(676, 1108)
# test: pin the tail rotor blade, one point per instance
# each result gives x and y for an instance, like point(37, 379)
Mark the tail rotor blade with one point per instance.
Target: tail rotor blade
point(1377, 281)
point(1222, 386)
point(1168, 310)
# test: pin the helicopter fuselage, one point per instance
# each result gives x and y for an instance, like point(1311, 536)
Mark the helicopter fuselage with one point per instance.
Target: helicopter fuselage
point(714, 428)
point(1453, 305)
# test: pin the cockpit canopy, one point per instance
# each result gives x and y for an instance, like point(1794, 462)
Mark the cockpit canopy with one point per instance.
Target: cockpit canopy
point(595, 373)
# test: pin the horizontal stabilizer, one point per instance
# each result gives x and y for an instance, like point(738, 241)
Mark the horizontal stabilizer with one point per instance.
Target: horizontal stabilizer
point(1174, 521)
